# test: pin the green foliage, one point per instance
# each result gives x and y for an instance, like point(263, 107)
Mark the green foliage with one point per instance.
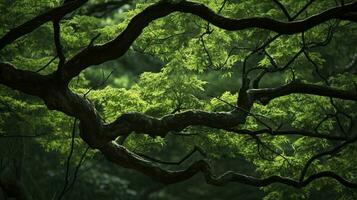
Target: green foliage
point(179, 63)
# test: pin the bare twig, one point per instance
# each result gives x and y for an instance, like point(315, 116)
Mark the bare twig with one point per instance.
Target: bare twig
point(45, 66)
point(329, 152)
point(195, 149)
point(81, 160)
point(282, 7)
point(66, 181)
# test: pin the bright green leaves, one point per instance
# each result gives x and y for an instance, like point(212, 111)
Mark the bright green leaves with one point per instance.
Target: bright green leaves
point(223, 103)
point(77, 33)
point(169, 91)
point(14, 13)
point(187, 49)
point(113, 102)
point(155, 94)
point(36, 45)
point(182, 38)
point(31, 118)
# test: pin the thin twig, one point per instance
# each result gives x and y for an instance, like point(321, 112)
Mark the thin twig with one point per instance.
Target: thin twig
point(62, 193)
point(329, 152)
point(45, 66)
point(100, 84)
point(282, 7)
point(196, 148)
point(81, 160)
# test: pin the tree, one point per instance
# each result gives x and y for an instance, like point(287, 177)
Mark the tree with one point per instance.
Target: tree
point(290, 112)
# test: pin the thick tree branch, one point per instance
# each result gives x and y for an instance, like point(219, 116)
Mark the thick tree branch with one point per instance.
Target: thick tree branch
point(57, 97)
point(54, 91)
point(144, 124)
point(57, 41)
point(265, 95)
point(120, 155)
point(350, 16)
point(95, 134)
point(116, 48)
point(25, 81)
point(31, 25)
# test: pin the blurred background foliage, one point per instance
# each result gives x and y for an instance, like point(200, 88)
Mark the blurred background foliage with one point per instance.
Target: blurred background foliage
point(179, 62)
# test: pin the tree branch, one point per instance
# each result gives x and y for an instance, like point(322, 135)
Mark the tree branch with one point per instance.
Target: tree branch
point(31, 25)
point(57, 40)
point(57, 96)
point(319, 155)
point(117, 47)
point(283, 9)
point(121, 156)
point(25, 81)
point(144, 124)
point(46, 65)
point(174, 162)
point(66, 179)
point(265, 95)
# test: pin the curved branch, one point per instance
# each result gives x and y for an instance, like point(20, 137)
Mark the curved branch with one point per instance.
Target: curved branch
point(283, 9)
point(265, 95)
point(25, 81)
point(325, 153)
point(120, 155)
point(141, 123)
point(31, 25)
point(57, 95)
point(116, 48)
point(183, 159)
